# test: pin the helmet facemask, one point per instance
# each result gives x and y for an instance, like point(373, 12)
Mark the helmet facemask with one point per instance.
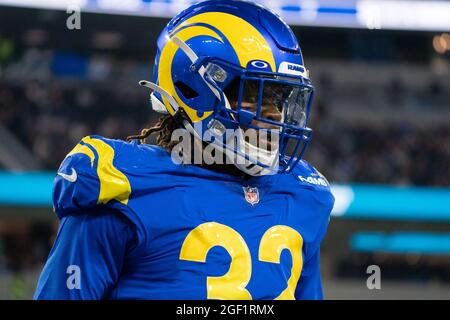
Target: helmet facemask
point(269, 112)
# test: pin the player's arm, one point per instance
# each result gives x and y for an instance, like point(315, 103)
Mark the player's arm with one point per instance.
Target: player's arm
point(310, 284)
point(87, 256)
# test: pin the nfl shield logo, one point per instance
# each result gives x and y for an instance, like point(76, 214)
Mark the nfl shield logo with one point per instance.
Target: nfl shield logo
point(251, 195)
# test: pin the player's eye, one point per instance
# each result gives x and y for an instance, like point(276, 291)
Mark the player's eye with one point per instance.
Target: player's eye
point(250, 92)
point(252, 99)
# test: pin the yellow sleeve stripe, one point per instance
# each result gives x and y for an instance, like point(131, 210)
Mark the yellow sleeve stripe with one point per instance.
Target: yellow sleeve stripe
point(114, 185)
point(80, 148)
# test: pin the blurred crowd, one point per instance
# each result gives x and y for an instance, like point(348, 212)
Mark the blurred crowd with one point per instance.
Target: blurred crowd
point(50, 100)
point(50, 118)
point(400, 153)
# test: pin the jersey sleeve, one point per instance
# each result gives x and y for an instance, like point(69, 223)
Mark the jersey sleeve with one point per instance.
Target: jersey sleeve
point(310, 284)
point(90, 176)
point(321, 201)
point(87, 256)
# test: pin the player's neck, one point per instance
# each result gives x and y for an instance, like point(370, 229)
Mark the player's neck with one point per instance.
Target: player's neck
point(224, 167)
point(230, 169)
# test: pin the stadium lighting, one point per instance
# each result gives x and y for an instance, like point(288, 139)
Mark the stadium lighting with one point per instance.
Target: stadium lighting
point(404, 15)
point(45, 4)
point(367, 14)
point(441, 43)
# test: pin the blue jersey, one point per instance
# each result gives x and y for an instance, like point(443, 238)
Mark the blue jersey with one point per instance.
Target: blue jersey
point(135, 225)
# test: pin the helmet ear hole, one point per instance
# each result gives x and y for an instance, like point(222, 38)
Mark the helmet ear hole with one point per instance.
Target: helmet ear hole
point(186, 90)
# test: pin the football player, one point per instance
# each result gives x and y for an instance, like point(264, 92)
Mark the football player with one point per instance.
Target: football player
point(136, 224)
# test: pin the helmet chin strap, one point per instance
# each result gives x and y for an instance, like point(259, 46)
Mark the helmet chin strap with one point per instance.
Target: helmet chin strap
point(266, 157)
point(154, 87)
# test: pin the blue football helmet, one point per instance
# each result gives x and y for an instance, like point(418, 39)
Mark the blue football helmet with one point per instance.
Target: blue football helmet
point(217, 58)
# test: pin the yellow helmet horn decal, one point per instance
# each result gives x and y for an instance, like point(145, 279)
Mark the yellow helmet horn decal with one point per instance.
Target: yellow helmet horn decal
point(247, 42)
point(165, 68)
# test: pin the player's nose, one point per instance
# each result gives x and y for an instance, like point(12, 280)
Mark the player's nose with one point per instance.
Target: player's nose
point(271, 112)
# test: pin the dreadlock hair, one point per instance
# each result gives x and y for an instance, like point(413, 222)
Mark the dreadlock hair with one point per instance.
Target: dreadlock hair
point(164, 127)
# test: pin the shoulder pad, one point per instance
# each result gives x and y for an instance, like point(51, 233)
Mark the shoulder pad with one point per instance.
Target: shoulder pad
point(88, 176)
point(307, 175)
point(310, 178)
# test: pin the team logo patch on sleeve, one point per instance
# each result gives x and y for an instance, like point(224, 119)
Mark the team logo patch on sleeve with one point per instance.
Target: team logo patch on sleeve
point(251, 195)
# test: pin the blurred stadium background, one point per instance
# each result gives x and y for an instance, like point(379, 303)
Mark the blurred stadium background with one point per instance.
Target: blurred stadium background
point(381, 119)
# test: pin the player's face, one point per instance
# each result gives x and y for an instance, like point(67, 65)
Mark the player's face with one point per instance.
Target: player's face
point(272, 101)
point(271, 108)
point(280, 102)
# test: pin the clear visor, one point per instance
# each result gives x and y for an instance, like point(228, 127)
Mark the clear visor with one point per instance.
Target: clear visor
point(273, 103)
point(271, 110)
point(279, 102)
